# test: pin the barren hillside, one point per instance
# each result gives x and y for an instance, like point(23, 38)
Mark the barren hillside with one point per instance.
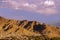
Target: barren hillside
point(10, 27)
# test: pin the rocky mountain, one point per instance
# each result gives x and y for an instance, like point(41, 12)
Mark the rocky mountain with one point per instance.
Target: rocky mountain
point(18, 28)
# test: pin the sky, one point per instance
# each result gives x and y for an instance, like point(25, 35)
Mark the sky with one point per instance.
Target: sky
point(44, 11)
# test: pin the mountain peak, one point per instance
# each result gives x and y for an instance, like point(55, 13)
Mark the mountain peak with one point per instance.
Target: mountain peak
point(25, 27)
point(1, 17)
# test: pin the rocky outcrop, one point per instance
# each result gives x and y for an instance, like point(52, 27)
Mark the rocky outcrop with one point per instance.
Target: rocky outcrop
point(9, 27)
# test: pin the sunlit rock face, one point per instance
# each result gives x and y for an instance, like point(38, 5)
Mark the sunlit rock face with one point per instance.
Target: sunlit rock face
point(16, 28)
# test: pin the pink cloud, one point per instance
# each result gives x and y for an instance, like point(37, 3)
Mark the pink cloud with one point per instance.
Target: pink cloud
point(47, 11)
point(26, 5)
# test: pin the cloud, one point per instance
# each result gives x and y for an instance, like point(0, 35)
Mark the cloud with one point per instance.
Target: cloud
point(45, 7)
point(47, 11)
point(49, 3)
point(18, 5)
point(29, 5)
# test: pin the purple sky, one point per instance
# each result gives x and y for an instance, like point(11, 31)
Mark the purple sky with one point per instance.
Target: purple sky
point(45, 11)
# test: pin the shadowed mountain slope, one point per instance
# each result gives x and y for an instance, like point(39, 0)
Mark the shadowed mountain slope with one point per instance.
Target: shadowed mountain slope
point(9, 27)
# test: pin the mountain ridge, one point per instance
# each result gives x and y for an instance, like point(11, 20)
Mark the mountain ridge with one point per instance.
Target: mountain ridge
point(10, 27)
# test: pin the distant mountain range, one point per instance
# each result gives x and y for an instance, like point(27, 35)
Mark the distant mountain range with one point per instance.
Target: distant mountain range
point(57, 24)
point(17, 28)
